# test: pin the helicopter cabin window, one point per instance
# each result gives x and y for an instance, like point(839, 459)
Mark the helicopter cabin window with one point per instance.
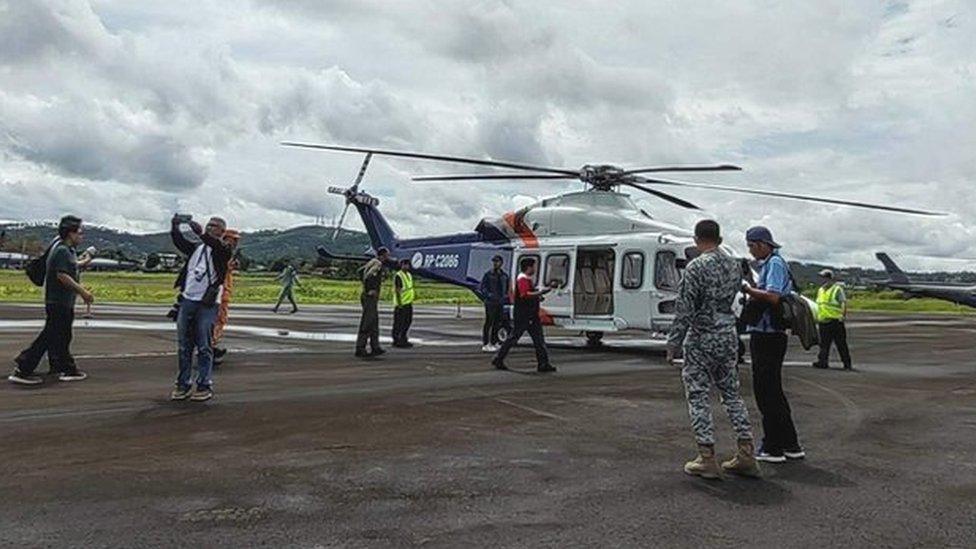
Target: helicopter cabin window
point(557, 270)
point(666, 273)
point(532, 259)
point(632, 271)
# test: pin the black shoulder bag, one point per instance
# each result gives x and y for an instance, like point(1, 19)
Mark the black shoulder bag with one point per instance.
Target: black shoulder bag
point(36, 268)
point(753, 309)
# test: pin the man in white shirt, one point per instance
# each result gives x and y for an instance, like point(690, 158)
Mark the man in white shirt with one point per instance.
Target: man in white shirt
point(201, 287)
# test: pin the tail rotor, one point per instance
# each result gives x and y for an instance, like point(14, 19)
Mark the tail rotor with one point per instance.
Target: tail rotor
point(350, 194)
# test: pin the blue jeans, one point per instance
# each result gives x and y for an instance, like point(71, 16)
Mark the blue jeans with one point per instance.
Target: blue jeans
point(194, 327)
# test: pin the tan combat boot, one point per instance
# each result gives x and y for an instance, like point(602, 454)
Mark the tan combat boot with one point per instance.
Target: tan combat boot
point(744, 462)
point(704, 465)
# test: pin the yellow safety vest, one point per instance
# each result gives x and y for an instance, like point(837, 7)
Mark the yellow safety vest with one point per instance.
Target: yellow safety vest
point(828, 308)
point(406, 289)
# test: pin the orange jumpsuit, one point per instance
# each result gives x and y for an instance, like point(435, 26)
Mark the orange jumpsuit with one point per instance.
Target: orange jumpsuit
point(232, 237)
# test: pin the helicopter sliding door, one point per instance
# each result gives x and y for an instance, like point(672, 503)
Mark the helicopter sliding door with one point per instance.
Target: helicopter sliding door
point(557, 272)
point(635, 288)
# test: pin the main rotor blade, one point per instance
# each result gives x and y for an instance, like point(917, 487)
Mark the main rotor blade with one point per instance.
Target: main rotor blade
point(438, 157)
point(791, 196)
point(474, 176)
point(665, 196)
point(362, 172)
point(716, 168)
point(338, 227)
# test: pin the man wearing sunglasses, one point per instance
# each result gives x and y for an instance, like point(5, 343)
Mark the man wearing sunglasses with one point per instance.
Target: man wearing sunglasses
point(201, 287)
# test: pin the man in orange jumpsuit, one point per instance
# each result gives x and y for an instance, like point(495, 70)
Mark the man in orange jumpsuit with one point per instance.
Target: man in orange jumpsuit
point(232, 238)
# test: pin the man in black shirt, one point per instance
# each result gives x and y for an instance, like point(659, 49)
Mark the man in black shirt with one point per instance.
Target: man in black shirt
point(526, 313)
point(369, 323)
point(61, 286)
point(494, 291)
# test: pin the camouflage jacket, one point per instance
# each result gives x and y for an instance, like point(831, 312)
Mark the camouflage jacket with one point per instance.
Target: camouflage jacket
point(705, 296)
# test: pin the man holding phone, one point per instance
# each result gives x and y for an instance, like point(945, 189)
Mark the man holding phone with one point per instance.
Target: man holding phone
point(201, 286)
point(526, 313)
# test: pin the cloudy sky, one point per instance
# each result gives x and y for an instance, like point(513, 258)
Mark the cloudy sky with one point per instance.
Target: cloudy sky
point(124, 112)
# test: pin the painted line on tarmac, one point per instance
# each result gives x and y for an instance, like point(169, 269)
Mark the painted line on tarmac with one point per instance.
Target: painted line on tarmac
point(160, 326)
point(947, 322)
point(854, 411)
point(522, 407)
point(303, 335)
point(318, 315)
point(363, 388)
point(159, 354)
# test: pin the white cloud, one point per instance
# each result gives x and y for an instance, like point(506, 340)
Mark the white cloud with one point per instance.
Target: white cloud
point(127, 111)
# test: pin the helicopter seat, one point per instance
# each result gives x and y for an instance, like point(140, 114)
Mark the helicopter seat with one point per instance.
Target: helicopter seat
point(603, 281)
point(584, 291)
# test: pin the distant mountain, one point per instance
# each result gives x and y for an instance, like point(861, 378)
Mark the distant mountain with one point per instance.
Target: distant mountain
point(261, 246)
point(300, 242)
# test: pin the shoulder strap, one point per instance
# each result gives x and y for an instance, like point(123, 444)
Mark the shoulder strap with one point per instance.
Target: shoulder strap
point(789, 271)
point(50, 247)
point(207, 260)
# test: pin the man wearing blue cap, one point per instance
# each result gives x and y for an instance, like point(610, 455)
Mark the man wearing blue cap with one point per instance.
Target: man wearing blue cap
point(767, 345)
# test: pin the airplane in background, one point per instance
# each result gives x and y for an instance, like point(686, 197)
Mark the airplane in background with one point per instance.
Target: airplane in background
point(962, 294)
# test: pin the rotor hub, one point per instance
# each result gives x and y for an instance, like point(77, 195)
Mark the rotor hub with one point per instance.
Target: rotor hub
point(601, 176)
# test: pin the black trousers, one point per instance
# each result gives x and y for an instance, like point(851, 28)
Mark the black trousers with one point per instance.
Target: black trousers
point(494, 318)
point(524, 324)
point(833, 331)
point(54, 339)
point(402, 319)
point(369, 323)
point(768, 351)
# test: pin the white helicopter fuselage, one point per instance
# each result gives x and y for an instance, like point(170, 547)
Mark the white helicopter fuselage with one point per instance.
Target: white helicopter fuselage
point(613, 266)
point(629, 282)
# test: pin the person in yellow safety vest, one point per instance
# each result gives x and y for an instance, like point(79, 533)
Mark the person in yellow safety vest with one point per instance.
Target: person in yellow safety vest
point(831, 312)
point(403, 297)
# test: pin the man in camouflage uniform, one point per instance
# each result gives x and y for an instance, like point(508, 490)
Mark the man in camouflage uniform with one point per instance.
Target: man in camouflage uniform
point(704, 329)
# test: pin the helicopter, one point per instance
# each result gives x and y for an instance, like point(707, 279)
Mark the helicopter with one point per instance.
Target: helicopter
point(612, 266)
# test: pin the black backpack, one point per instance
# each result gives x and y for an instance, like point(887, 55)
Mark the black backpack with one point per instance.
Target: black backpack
point(36, 268)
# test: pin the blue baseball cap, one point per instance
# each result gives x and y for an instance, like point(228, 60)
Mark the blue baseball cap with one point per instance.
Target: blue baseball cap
point(761, 234)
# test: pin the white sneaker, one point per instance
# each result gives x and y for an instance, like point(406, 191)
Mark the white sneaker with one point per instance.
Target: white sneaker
point(487, 349)
point(75, 375)
point(24, 379)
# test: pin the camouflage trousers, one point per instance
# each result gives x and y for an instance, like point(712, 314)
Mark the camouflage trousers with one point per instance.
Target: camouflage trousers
point(712, 360)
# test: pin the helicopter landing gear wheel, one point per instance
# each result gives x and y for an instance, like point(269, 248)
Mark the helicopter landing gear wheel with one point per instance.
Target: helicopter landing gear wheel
point(594, 339)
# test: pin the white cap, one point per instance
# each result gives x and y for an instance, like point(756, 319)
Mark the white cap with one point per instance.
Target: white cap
point(826, 273)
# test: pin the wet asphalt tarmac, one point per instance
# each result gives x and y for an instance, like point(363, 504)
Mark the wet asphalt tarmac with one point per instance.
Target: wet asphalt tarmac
point(305, 446)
